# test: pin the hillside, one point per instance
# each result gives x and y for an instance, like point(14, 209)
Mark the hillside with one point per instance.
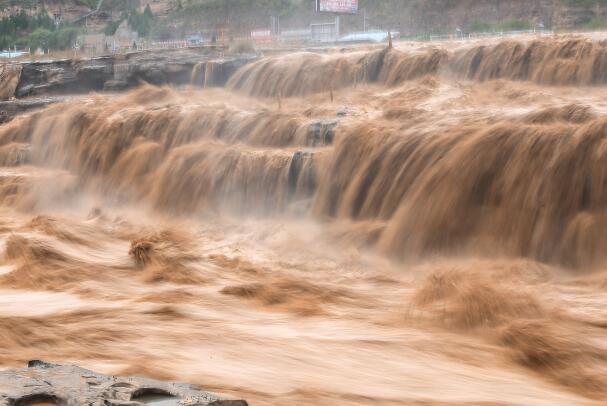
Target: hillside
point(408, 16)
point(176, 18)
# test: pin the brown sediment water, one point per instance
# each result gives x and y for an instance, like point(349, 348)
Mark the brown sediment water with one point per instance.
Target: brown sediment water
point(419, 226)
point(569, 61)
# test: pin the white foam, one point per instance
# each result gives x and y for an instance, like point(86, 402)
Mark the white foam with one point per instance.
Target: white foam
point(33, 304)
point(6, 269)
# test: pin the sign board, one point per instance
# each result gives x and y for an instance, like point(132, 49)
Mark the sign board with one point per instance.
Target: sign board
point(324, 32)
point(261, 36)
point(337, 6)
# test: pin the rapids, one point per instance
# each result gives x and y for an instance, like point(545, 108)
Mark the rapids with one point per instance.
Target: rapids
point(422, 225)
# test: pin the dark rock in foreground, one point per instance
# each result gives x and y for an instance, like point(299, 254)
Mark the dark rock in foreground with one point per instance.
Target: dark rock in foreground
point(66, 385)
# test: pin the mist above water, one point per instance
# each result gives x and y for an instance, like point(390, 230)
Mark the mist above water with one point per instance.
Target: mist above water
point(376, 226)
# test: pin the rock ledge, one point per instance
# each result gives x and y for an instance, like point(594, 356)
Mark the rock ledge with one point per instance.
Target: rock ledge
point(42, 383)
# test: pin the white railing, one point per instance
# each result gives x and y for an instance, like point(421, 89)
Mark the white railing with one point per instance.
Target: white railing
point(491, 34)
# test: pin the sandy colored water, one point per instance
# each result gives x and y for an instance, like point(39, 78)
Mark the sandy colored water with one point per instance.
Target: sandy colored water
point(446, 248)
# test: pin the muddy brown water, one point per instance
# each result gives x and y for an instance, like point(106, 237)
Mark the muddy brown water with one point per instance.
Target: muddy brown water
point(445, 244)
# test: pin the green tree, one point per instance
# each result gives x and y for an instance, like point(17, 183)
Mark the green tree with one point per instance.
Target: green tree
point(147, 12)
point(64, 37)
point(40, 38)
point(141, 22)
point(479, 26)
point(112, 26)
point(21, 20)
point(514, 24)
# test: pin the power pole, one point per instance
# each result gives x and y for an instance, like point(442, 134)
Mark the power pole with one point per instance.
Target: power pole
point(275, 20)
point(337, 26)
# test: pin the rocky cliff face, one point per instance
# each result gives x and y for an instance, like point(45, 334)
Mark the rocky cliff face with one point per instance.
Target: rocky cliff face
point(30, 85)
point(117, 72)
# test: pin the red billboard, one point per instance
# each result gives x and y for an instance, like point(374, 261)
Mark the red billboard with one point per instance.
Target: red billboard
point(261, 36)
point(337, 6)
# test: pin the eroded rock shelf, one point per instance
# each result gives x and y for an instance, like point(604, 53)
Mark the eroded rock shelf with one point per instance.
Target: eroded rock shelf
point(42, 383)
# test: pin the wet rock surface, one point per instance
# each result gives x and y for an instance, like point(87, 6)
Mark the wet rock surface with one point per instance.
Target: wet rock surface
point(26, 86)
point(12, 108)
point(114, 72)
point(321, 132)
point(42, 383)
